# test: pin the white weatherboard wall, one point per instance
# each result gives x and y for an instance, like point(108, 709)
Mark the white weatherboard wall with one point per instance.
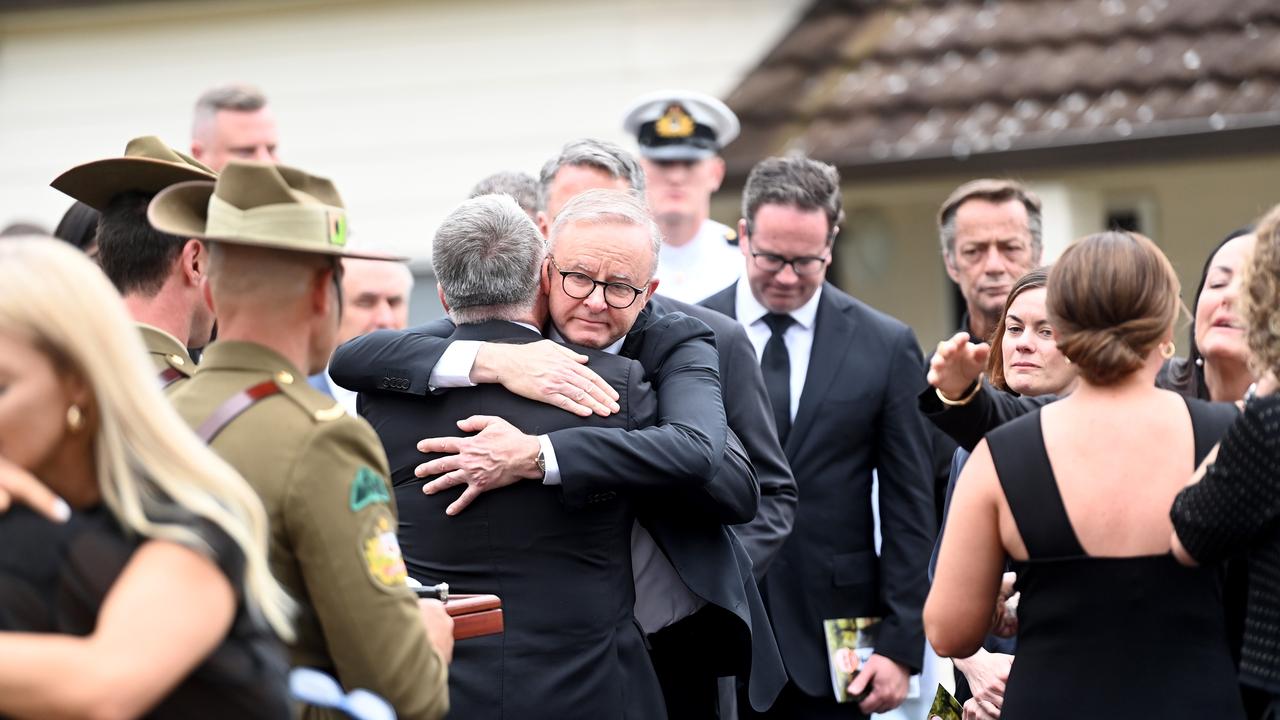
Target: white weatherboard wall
point(404, 104)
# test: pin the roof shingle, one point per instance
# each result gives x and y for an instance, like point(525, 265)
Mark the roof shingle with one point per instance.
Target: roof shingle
point(865, 83)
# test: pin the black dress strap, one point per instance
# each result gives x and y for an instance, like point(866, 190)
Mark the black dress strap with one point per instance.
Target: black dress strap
point(1209, 422)
point(1022, 465)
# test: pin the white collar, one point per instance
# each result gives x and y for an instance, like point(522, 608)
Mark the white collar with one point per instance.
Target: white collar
point(612, 349)
point(750, 309)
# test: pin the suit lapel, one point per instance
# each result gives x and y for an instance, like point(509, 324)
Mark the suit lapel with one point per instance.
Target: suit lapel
point(832, 333)
point(635, 336)
point(724, 302)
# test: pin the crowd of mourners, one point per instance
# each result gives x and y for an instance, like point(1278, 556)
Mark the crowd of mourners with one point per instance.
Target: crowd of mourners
point(702, 480)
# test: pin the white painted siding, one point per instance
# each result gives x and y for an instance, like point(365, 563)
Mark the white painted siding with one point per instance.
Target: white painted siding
point(404, 104)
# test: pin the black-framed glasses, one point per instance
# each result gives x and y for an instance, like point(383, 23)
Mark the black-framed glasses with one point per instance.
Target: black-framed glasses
point(802, 265)
point(579, 286)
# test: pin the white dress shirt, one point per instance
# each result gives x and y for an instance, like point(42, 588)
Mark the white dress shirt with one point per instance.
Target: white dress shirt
point(700, 268)
point(798, 338)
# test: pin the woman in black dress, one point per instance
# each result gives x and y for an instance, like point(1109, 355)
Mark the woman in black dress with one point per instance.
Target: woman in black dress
point(1077, 493)
point(154, 597)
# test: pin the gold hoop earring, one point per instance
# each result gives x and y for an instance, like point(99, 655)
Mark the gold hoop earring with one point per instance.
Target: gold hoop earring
point(1167, 350)
point(75, 418)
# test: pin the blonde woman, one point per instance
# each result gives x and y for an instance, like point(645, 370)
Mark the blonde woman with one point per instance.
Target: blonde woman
point(155, 596)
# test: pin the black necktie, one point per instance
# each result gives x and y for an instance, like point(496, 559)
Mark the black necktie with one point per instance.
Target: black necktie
point(775, 365)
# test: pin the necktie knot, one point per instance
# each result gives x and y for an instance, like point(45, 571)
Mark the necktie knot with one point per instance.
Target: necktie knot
point(778, 322)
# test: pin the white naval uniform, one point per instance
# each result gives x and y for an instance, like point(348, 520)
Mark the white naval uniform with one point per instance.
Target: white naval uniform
point(704, 266)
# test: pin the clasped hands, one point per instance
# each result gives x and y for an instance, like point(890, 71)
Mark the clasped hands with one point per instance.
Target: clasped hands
point(499, 454)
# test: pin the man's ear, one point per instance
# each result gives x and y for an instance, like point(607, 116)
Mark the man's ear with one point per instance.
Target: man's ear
point(742, 237)
point(193, 261)
point(653, 288)
point(197, 150)
point(544, 223)
point(440, 294)
point(544, 278)
point(717, 171)
point(321, 281)
point(949, 262)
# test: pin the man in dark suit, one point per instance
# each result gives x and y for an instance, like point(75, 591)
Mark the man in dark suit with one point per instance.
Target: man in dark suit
point(571, 646)
point(410, 360)
point(842, 381)
point(594, 164)
point(727, 632)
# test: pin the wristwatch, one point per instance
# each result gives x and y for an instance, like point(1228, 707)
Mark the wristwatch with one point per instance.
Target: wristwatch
point(542, 463)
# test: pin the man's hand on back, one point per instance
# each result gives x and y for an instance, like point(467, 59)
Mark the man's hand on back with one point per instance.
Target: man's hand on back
point(547, 372)
point(497, 456)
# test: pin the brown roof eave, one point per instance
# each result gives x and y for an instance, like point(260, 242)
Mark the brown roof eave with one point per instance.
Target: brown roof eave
point(1163, 142)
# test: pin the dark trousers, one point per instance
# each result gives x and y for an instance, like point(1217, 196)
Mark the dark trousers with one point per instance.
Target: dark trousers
point(688, 659)
point(794, 704)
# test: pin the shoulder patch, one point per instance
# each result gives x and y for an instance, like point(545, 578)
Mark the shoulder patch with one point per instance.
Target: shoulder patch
point(380, 553)
point(366, 489)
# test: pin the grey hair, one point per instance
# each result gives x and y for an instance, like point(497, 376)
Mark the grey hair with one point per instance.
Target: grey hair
point(236, 97)
point(796, 181)
point(995, 191)
point(487, 256)
point(599, 154)
point(601, 207)
point(520, 186)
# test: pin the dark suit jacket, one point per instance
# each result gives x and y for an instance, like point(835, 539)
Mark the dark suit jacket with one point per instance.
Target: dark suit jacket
point(708, 556)
point(685, 519)
point(571, 647)
point(678, 453)
point(746, 405)
point(857, 413)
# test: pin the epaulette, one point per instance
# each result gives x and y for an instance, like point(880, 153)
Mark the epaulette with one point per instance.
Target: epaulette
point(319, 407)
point(731, 236)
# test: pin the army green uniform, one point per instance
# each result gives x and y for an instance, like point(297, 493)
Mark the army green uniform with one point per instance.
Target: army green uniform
point(169, 357)
point(322, 476)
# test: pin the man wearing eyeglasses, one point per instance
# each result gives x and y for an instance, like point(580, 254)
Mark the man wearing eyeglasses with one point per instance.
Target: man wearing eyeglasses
point(696, 595)
point(842, 380)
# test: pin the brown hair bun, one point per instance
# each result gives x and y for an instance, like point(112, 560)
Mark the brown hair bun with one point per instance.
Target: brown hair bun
point(1112, 298)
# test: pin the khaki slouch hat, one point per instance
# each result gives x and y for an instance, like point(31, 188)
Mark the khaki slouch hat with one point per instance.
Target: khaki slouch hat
point(259, 205)
point(148, 166)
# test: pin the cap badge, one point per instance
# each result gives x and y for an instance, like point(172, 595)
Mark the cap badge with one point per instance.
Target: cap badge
point(674, 123)
point(337, 229)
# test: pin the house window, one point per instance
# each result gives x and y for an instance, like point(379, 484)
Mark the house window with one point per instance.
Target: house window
point(1133, 211)
point(1124, 219)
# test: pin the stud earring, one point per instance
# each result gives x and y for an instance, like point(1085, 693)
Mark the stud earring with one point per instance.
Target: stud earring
point(75, 418)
